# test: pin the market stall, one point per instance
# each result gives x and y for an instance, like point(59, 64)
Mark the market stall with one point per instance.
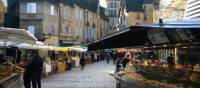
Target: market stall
point(11, 73)
point(180, 40)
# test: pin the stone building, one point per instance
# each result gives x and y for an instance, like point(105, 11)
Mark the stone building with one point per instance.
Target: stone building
point(3, 5)
point(151, 11)
point(113, 7)
point(192, 9)
point(131, 13)
point(173, 11)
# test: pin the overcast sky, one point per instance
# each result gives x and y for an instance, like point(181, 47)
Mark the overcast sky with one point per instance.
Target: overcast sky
point(103, 3)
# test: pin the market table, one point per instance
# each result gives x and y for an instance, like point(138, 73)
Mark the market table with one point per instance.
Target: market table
point(12, 81)
point(130, 83)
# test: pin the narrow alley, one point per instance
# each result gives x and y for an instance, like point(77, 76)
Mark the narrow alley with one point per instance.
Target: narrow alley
point(94, 76)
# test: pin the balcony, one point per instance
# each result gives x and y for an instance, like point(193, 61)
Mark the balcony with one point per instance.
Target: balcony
point(31, 16)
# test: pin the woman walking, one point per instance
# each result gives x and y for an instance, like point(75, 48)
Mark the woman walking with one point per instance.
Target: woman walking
point(82, 61)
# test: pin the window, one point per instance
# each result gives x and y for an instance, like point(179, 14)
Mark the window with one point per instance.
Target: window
point(31, 29)
point(111, 4)
point(31, 8)
point(81, 14)
point(65, 31)
point(111, 12)
point(115, 4)
point(114, 12)
point(77, 13)
point(70, 30)
point(51, 29)
point(52, 12)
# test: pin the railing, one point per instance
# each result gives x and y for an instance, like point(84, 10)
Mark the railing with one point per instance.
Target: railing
point(12, 76)
point(12, 81)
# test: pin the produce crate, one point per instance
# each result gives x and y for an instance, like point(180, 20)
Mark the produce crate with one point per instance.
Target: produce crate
point(5, 71)
point(61, 67)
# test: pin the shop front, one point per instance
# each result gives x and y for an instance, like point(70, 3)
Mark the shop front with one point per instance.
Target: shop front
point(178, 40)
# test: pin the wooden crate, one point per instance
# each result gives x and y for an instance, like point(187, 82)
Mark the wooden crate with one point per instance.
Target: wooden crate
point(5, 71)
point(61, 67)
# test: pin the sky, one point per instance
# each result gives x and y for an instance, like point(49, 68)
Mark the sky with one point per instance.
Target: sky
point(103, 3)
point(166, 2)
point(5, 2)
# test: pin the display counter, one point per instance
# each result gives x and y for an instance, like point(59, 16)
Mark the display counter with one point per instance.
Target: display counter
point(12, 81)
point(158, 76)
point(61, 66)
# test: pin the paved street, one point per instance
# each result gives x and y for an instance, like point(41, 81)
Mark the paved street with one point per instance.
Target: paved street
point(94, 76)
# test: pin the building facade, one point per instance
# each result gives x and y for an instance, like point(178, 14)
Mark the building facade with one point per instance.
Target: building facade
point(173, 11)
point(151, 11)
point(41, 19)
point(113, 7)
point(192, 9)
point(131, 13)
point(63, 23)
point(3, 6)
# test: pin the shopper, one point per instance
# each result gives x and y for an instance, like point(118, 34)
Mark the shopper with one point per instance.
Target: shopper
point(27, 72)
point(92, 57)
point(82, 61)
point(114, 56)
point(108, 57)
point(126, 61)
point(119, 66)
point(2, 60)
point(155, 60)
point(170, 60)
point(37, 65)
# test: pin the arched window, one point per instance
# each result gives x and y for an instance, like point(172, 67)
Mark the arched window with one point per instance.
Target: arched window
point(51, 30)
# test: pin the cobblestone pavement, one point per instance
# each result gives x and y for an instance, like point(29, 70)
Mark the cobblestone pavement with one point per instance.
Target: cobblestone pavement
point(94, 76)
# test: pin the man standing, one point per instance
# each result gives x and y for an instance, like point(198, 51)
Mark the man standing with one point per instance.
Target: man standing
point(37, 65)
point(170, 60)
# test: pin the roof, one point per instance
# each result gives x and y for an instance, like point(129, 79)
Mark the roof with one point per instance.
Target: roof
point(151, 1)
point(17, 35)
point(68, 2)
point(91, 5)
point(134, 5)
point(187, 23)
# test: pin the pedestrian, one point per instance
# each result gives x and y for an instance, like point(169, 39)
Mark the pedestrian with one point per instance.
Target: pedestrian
point(114, 56)
point(37, 65)
point(27, 72)
point(126, 61)
point(170, 60)
point(95, 57)
point(155, 60)
point(108, 57)
point(82, 61)
point(119, 66)
point(92, 57)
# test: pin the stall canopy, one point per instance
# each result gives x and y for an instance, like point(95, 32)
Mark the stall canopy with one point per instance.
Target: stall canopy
point(151, 34)
point(128, 38)
point(12, 36)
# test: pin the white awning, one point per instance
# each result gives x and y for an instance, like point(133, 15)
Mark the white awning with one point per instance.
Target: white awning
point(17, 36)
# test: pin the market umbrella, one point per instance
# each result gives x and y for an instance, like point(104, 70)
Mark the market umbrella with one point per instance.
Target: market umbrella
point(12, 37)
point(16, 36)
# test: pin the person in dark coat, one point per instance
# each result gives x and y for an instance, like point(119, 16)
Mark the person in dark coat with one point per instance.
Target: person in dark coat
point(27, 73)
point(170, 60)
point(82, 61)
point(126, 61)
point(37, 65)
